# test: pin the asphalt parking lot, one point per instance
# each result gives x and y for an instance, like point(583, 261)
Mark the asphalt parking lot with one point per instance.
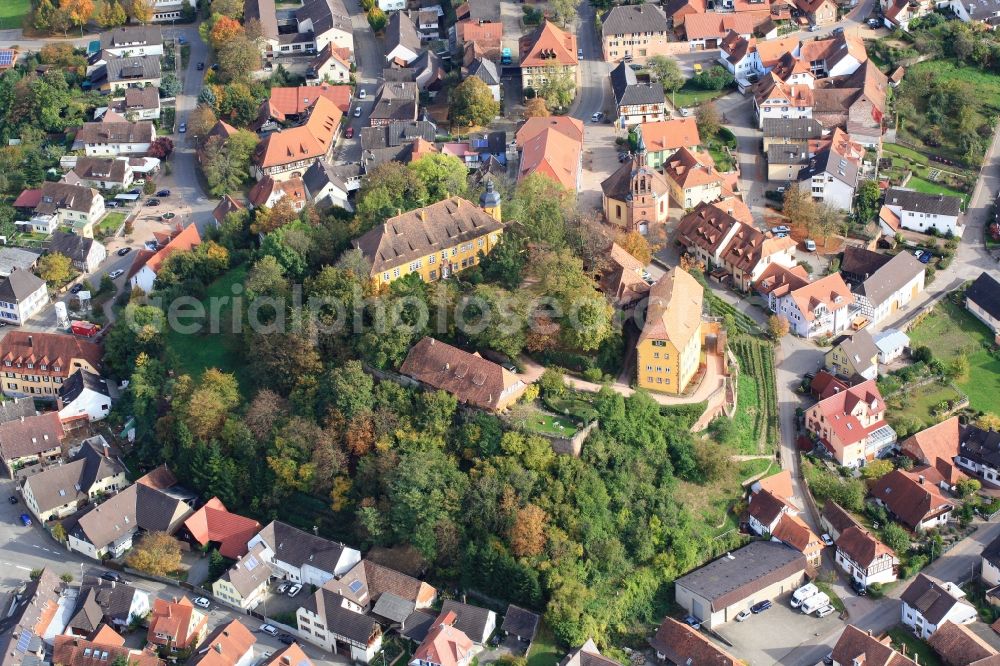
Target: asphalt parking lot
point(600, 160)
point(768, 638)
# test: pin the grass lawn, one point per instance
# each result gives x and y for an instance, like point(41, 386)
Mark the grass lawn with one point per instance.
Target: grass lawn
point(723, 162)
point(927, 187)
point(197, 352)
point(750, 468)
point(687, 96)
point(901, 636)
point(12, 13)
point(110, 223)
point(744, 422)
point(575, 408)
point(544, 651)
point(919, 403)
point(987, 85)
point(949, 331)
point(550, 424)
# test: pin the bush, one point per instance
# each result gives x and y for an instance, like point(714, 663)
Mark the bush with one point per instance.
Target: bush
point(551, 383)
point(922, 354)
point(593, 375)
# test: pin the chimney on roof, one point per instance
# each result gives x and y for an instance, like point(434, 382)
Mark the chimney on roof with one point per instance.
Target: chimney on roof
point(921, 479)
point(30, 342)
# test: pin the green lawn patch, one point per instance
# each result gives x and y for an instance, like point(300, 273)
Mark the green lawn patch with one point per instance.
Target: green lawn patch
point(987, 85)
point(544, 651)
point(751, 468)
point(689, 96)
point(744, 421)
point(927, 187)
point(110, 223)
point(12, 13)
point(756, 399)
point(578, 409)
point(194, 353)
point(920, 403)
point(949, 331)
point(548, 424)
point(902, 636)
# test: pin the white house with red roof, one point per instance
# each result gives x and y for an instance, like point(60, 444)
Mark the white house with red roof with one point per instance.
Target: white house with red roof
point(815, 309)
point(444, 645)
point(147, 263)
point(851, 425)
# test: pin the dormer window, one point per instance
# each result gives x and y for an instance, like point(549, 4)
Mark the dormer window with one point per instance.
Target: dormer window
point(31, 365)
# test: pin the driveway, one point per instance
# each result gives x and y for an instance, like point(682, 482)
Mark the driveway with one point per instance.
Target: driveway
point(781, 635)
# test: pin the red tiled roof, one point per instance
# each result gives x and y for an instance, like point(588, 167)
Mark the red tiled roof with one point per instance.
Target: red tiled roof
point(307, 141)
point(838, 409)
point(911, 498)
point(669, 135)
point(548, 46)
point(444, 645)
point(226, 646)
point(830, 291)
point(214, 523)
point(187, 239)
point(28, 199)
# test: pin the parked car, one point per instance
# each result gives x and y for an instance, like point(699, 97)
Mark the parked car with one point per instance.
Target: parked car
point(760, 607)
point(686, 113)
point(125, 250)
point(357, 112)
point(286, 639)
point(837, 31)
point(25, 520)
point(201, 66)
point(269, 629)
point(803, 593)
point(810, 245)
point(780, 229)
point(597, 117)
point(826, 539)
point(183, 128)
point(76, 289)
point(362, 93)
point(692, 622)
point(115, 274)
point(742, 615)
point(923, 256)
point(858, 587)
point(294, 589)
point(349, 133)
point(13, 499)
point(112, 204)
point(163, 193)
point(815, 28)
point(113, 576)
point(874, 23)
point(579, 54)
point(151, 245)
point(135, 190)
point(153, 202)
point(202, 602)
point(825, 610)
point(282, 587)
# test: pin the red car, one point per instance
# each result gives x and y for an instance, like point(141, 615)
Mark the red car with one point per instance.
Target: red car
point(349, 132)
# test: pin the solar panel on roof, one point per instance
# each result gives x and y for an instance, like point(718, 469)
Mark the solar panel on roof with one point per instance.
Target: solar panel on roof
point(6, 57)
point(356, 586)
point(24, 640)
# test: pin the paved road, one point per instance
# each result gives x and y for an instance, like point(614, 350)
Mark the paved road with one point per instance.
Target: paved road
point(370, 60)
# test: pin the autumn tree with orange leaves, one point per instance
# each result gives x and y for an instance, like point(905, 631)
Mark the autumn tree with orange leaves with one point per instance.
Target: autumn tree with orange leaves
point(527, 535)
point(224, 31)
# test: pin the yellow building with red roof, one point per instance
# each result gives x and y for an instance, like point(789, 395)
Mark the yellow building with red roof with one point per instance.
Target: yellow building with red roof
point(669, 349)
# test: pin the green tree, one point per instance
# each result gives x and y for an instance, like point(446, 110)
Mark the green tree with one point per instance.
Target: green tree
point(471, 103)
point(876, 469)
point(425, 489)
point(778, 326)
point(377, 19)
point(558, 90)
point(896, 537)
point(667, 71)
point(238, 59)
point(111, 14)
point(798, 206)
point(226, 163)
point(169, 85)
point(390, 189)
point(442, 175)
point(564, 10)
point(230, 8)
point(55, 268)
point(709, 121)
point(348, 389)
point(157, 553)
point(866, 202)
point(541, 206)
point(7, 214)
point(968, 487)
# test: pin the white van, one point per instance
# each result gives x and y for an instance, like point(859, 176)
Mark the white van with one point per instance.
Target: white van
point(815, 602)
point(803, 593)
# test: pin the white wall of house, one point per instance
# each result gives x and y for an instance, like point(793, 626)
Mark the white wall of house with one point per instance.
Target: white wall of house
point(880, 571)
point(990, 573)
point(93, 404)
point(915, 221)
point(828, 188)
point(19, 312)
point(391, 5)
point(982, 315)
point(144, 279)
point(959, 614)
point(105, 149)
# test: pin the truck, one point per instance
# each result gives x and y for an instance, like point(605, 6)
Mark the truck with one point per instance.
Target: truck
point(803, 593)
point(815, 602)
point(84, 328)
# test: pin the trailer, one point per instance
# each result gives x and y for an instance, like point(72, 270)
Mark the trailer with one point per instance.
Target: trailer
point(815, 602)
point(84, 328)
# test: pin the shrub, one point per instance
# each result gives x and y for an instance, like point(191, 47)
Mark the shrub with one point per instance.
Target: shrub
point(593, 375)
point(552, 384)
point(922, 354)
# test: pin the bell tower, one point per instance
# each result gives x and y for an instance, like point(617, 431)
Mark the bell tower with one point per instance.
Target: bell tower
point(489, 201)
